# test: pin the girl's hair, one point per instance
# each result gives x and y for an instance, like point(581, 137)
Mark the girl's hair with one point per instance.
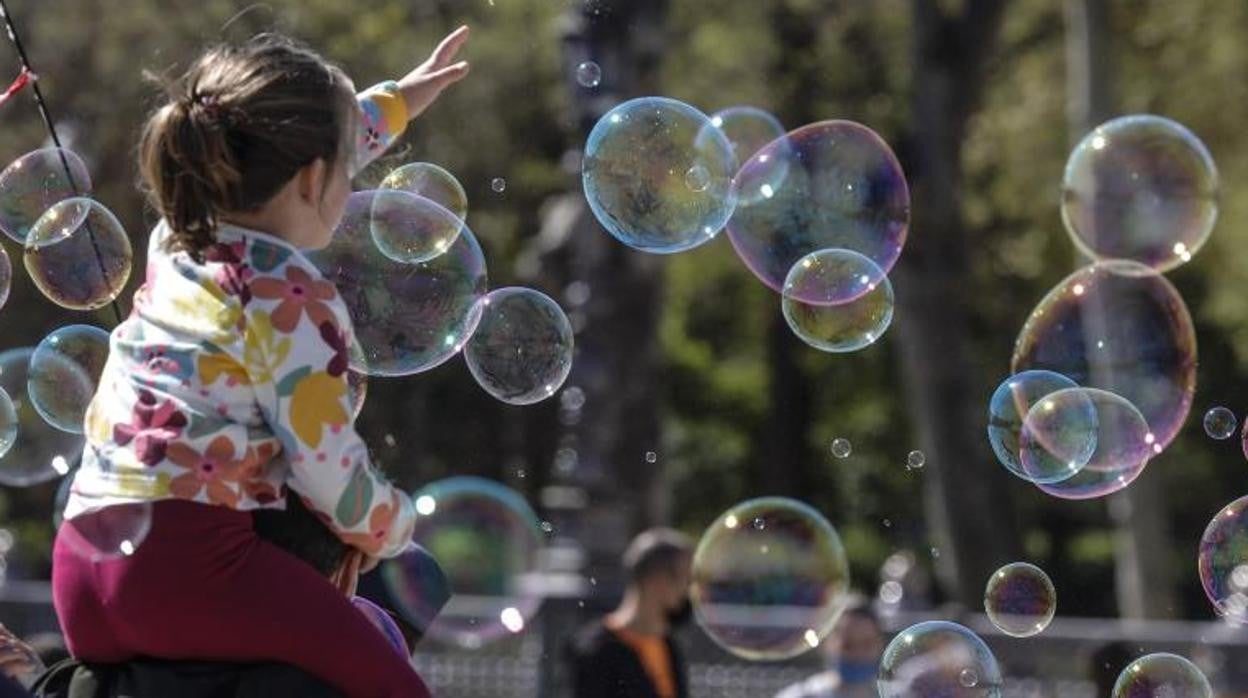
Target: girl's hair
point(238, 126)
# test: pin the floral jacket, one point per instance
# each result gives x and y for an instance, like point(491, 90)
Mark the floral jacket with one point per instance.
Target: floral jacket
point(228, 383)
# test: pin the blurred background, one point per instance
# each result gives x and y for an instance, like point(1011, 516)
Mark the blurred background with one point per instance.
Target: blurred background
point(688, 357)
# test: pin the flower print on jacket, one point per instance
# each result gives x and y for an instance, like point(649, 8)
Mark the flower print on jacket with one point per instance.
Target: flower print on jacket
point(299, 294)
point(153, 424)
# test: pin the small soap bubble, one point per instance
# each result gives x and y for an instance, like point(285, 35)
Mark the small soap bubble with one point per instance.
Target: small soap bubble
point(916, 460)
point(652, 457)
point(1020, 599)
point(588, 74)
point(1162, 675)
point(968, 678)
point(498, 184)
point(1220, 423)
point(842, 448)
point(698, 178)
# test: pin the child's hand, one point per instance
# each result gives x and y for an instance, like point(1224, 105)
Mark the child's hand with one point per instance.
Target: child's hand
point(423, 85)
point(17, 659)
point(347, 577)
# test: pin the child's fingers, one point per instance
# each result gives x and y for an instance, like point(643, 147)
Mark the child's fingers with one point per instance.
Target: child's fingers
point(441, 79)
point(450, 46)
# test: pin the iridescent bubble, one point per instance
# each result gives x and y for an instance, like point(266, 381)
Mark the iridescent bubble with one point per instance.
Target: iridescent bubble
point(487, 540)
point(432, 182)
point(1059, 436)
point(938, 658)
point(64, 372)
point(915, 460)
point(698, 178)
point(747, 129)
point(411, 229)
point(1142, 188)
point(588, 74)
point(498, 184)
point(837, 301)
point(841, 187)
point(521, 352)
point(110, 533)
point(418, 585)
point(8, 423)
point(1162, 675)
point(769, 579)
point(1010, 404)
point(6, 276)
point(1121, 327)
point(39, 452)
point(1123, 445)
point(408, 318)
point(78, 254)
point(31, 184)
point(635, 169)
point(1220, 423)
point(842, 448)
point(1223, 562)
point(1020, 599)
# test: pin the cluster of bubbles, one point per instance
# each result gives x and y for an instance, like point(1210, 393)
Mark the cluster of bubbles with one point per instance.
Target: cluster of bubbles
point(770, 579)
point(818, 214)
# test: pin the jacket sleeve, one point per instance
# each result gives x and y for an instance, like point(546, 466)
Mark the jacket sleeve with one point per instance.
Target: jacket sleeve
point(296, 343)
point(381, 120)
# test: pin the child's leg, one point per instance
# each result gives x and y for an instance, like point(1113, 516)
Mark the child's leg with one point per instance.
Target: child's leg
point(203, 586)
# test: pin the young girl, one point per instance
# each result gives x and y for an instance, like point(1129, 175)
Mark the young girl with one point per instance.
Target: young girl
point(227, 384)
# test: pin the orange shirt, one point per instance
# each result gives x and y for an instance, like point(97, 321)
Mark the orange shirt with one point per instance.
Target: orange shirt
point(655, 658)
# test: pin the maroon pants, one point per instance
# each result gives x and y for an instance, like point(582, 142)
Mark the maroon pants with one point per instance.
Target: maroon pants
point(203, 586)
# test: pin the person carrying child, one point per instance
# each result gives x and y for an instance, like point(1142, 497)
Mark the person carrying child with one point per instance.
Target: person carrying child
point(227, 385)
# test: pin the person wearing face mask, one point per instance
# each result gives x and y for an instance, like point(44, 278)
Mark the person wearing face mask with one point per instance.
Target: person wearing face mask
point(631, 652)
point(854, 650)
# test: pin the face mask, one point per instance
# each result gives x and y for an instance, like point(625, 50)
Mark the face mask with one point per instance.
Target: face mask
point(857, 672)
point(681, 615)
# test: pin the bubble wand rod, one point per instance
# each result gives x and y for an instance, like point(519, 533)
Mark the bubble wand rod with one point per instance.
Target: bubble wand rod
point(29, 71)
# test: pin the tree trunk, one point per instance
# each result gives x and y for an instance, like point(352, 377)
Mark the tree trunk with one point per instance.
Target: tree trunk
point(966, 497)
point(1143, 580)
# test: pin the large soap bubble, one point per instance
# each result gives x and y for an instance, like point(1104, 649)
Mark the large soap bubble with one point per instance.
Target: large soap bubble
point(1162, 675)
point(938, 658)
point(64, 373)
point(1121, 327)
point(1223, 562)
point(1059, 436)
point(837, 301)
point(78, 254)
point(651, 182)
point(109, 533)
point(1143, 188)
point(1124, 443)
point(418, 232)
point(769, 579)
point(408, 318)
point(33, 183)
point(831, 184)
point(39, 452)
point(1020, 599)
point(522, 350)
point(487, 541)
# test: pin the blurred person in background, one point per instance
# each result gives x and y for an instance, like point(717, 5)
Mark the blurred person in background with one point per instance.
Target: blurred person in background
point(1106, 663)
point(631, 652)
point(853, 652)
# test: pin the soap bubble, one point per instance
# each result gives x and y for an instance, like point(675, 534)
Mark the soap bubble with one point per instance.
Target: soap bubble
point(747, 129)
point(40, 452)
point(1122, 327)
point(6, 276)
point(842, 448)
point(417, 584)
point(408, 318)
point(110, 533)
point(1223, 561)
point(1060, 434)
point(938, 658)
point(769, 579)
point(498, 184)
point(1020, 599)
point(78, 254)
point(588, 74)
point(635, 170)
point(837, 301)
point(1220, 423)
point(1162, 675)
point(411, 229)
point(433, 182)
point(33, 183)
point(840, 187)
point(1142, 188)
point(8, 423)
point(64, 373)
point(487, 540)
point(1009, 406)
point(915, 460)
point(1123, 444)
point(521, 351)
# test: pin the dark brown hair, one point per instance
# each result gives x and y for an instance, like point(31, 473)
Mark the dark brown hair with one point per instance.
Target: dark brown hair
point(656, 551)
point(238, 126)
